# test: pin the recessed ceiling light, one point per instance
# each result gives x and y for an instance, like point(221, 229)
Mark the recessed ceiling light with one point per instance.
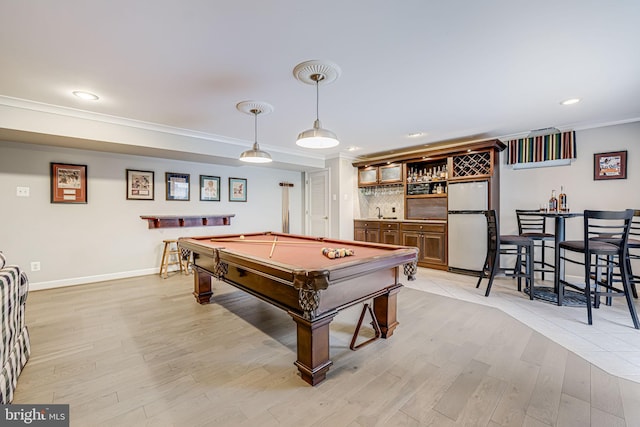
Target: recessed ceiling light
point(570, 101)
point(87, 96)
point(415, 134)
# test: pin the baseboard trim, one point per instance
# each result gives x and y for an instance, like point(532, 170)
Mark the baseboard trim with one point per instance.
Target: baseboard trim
point(38, 286)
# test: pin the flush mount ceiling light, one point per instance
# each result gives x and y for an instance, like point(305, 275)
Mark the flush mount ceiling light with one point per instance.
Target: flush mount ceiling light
point(255, 155)
point(87, 96)
point(570, 101)
point(316, 72)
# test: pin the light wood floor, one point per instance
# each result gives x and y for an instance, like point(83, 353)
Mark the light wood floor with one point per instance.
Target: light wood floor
point(142, 352)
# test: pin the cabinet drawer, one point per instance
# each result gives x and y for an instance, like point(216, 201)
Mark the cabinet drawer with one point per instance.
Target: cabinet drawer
point(389, 226)
point(369, 225)
point(432, 228)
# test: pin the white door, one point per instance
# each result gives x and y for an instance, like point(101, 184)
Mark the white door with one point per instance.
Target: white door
point(318, 203)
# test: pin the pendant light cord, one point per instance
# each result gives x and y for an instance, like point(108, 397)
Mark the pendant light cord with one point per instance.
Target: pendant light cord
point(317, 78)
point(255, 130)
point(317, 98)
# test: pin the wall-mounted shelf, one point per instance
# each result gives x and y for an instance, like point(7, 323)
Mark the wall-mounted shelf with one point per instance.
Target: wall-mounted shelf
point(171, 221)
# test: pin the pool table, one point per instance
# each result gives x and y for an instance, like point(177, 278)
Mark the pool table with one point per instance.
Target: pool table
point(291, 272)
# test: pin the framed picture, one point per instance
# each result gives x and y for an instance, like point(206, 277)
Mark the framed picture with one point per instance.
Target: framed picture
point(139, 185)
point(177, 186)
point(237, 190)
point(68, 183)
point(210, 188)
point(611, 165)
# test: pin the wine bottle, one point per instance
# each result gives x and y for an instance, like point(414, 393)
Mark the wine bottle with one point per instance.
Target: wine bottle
point(553, 202)
point(562, 199)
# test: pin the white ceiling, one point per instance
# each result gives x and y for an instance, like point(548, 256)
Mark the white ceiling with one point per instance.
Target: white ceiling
point(451, 69)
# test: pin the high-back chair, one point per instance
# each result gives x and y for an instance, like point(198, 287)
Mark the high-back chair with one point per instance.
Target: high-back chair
point(603, 249)
point(534, 226)
point(521, 247)
point(633, 253)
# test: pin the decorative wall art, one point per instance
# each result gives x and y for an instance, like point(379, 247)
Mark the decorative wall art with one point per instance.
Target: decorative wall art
point(237, 190)
point(209, 188)
point(177, 186)
point(68, 183)
point(140, 185)
point(611, 165)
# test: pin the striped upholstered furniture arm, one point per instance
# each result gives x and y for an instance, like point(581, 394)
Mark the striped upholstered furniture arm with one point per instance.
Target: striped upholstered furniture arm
point(14, 346)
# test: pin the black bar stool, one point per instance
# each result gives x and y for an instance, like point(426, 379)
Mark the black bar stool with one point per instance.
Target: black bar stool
point(633, 252)
point(534, 226)
point(521, 247)
point(603, 249)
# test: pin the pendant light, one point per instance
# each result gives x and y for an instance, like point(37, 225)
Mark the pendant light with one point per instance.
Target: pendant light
point(316, 72)
point(255, 155)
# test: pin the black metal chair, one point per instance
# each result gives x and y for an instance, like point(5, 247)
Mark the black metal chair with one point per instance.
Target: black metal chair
point(633, 252)
point(534, 226)
point(603, 249)
point(521, 247)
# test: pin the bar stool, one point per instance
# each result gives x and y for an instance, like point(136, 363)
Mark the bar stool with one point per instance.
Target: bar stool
point(603, 249)
point(170, 250)
point(520, 246)
point(533, 225)
point(633, 245)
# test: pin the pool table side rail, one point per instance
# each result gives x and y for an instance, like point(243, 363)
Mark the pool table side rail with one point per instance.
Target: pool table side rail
point(400, 255)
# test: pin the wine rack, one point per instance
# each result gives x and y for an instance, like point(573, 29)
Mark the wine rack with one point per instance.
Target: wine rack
point(472, 164)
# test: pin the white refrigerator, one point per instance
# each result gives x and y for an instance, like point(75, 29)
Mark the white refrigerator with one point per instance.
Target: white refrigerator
point(467, 226)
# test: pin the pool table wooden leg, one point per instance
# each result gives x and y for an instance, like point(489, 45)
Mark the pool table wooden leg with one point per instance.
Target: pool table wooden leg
point(313, 347)
point(202, 286)
point(385, 308)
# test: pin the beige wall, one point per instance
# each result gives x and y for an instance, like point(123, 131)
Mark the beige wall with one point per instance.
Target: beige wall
point(105, 238)
point(526, 189)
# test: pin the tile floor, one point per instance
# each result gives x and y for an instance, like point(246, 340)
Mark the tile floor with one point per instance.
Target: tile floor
point(611, 343)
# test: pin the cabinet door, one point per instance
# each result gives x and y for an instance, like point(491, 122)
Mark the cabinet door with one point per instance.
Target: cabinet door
point(360, 234)
point(390, 237)
point(368, 176)
point(390, 173)
point(411, 238)
point(373, 236)
point(435, 249)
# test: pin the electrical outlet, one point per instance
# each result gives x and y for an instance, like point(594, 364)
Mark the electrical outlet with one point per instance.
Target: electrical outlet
point(22, 191)
point(393, 209)
point(35, 266)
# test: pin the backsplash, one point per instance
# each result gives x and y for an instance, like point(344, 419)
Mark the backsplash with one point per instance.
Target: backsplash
point(386, 198)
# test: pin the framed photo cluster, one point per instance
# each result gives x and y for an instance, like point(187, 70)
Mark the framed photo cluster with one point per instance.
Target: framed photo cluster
point(140, 186)
point(69, 185)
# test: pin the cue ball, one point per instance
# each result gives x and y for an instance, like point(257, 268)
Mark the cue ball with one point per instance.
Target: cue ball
point(242, 237)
